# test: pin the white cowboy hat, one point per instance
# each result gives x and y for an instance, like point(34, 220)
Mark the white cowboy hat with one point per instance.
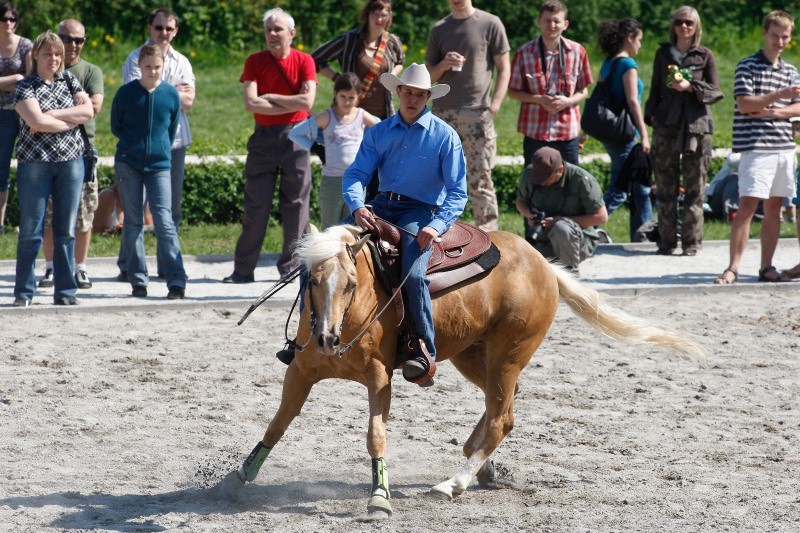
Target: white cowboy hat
point(416, 76)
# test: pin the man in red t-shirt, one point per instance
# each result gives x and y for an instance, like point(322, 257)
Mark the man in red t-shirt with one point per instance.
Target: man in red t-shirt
point(279, 88)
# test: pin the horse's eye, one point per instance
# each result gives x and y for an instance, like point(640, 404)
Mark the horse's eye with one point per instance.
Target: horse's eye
point(314, 282)
point(351, 285)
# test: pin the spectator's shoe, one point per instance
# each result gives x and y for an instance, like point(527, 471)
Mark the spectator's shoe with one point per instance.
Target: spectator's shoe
point(139, 291)
point(176, 293)
point(239, 278)
point(286, 356)
point(123, 276)
point(65, 300)
point(82, 279)
point(160, 274)
point(604, 237)
point(20, 301)
point(47, 280)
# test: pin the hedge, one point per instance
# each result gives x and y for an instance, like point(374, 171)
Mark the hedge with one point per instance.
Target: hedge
point(213, 192)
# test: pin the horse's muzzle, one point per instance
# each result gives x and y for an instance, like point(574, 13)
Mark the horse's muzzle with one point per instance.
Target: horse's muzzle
point(328, 344)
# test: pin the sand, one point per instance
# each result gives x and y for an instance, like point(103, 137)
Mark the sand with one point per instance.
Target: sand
point(130, 421)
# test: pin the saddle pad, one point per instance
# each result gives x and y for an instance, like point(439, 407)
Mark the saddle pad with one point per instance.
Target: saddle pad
point(443, 279)
point(460, 244)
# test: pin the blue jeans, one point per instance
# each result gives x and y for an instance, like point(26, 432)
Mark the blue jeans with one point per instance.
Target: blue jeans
point(568, 149)
point(132, 183)
point(9, 127)
point(36, 182)
point(641, 208)
point(413, 216)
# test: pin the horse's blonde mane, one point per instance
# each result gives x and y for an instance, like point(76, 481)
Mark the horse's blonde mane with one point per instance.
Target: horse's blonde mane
point(314, 248)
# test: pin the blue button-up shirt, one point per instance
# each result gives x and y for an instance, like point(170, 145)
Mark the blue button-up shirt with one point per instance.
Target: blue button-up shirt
point(424, 161)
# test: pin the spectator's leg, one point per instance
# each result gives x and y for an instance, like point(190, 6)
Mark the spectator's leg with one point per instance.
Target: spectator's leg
point(131, 185)
point(169, 250)
point(34, 185)
point(695, 171)
point(66, 197)
point(294, 197)
point(667, 171)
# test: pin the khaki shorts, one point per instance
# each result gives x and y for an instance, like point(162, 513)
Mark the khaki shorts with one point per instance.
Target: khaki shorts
point(767, 174)
point(86, 208)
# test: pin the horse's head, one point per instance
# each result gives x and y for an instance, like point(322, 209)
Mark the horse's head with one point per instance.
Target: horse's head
point(330, 260)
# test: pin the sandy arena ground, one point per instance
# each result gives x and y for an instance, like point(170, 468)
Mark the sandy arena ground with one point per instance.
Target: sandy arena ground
point(129, 420)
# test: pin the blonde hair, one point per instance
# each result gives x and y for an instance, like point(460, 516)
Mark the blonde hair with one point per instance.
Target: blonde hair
point(694, 16)
point(779, 18)
point(47, 39)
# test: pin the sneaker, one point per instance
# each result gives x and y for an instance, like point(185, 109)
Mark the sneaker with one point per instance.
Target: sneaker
point(123, 276)
point(176, 293)
point(239, 278)
point(139, 291)
point(65, 300)
point(82, 279)
point(604, 237)
point(20, 301)
point(47, 280)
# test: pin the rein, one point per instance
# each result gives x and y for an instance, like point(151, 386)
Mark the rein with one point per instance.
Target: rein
point(349, 345)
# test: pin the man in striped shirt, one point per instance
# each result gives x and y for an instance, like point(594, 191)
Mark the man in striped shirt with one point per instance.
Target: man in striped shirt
point(767, 93)
point(550, 76)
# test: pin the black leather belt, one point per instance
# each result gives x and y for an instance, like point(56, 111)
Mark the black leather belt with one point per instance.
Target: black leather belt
point(395, 196)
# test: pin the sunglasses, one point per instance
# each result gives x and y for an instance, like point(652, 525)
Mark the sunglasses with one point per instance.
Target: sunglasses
point(684, 22)
point(8, 19)
point(66, 39)
point(168, 29)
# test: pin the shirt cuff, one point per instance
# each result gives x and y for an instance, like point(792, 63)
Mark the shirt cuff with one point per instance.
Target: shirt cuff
point(438, 225)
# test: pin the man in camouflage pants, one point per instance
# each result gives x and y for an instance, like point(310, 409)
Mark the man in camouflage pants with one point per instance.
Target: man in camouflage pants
point(454, 57)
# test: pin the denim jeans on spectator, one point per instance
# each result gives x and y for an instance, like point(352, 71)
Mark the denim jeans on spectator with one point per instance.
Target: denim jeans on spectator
point(36, 182)
point(9, 127)
point(132, 183)
point(568, 149)
point(641, 208)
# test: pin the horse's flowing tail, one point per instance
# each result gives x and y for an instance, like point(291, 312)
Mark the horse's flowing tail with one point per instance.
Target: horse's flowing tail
point(588, 304)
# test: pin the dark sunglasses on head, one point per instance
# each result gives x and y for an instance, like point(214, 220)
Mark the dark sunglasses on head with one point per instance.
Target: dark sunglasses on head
point(684, 22)
point(66, 39)
point(168, 29)
point(8, 19)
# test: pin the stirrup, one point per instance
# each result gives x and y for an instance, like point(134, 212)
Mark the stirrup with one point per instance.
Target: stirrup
point(286, 356)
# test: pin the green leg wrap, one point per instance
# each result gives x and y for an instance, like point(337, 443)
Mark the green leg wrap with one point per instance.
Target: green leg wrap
point(249, 469)
point(380, 488)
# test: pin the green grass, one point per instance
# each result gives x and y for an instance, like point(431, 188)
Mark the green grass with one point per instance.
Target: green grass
point(209, 239)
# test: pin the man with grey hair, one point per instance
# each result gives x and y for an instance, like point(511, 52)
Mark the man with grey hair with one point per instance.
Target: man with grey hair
point(280, 84)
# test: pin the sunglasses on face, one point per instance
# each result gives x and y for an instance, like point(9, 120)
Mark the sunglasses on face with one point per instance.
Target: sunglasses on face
point(66, 39)
point(8, 19)
point(168, 29)
point(684, 22)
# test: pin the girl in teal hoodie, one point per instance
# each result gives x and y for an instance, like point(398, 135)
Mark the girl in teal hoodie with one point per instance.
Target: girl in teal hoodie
point(144, 116)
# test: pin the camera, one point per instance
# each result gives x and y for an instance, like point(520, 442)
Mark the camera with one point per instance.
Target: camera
point(536, 230)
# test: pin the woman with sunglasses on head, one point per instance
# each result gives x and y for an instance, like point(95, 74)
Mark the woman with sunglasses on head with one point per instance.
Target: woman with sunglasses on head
point(15, 63)
point(684, 85)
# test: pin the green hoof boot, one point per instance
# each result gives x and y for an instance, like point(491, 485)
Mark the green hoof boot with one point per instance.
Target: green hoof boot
point(249, 469)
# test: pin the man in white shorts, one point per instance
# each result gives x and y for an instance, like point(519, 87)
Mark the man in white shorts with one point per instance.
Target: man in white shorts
point(767, 93)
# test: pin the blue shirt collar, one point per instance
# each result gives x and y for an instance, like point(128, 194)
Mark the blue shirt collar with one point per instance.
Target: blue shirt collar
point(424, 120)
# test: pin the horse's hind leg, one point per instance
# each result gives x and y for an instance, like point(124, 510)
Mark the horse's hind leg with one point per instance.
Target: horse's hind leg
point(499, 386)
point(296, 388)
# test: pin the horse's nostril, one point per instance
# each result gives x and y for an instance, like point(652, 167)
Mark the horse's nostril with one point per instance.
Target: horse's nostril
point(336, 341)
point(320, 341)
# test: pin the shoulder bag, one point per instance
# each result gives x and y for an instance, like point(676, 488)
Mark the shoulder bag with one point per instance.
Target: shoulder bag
point(606, 119)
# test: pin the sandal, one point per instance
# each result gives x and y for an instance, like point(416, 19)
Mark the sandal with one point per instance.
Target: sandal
point(770, 274)
point(792, 273)
point(722, 280)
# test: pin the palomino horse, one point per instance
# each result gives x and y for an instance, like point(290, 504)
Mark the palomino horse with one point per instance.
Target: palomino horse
point(489, 329)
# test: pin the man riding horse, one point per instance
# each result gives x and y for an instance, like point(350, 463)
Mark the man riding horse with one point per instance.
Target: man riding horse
point(423, 189)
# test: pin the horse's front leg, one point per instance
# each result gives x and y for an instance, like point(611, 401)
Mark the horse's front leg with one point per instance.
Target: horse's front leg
point(296, 388)
point(379, 402)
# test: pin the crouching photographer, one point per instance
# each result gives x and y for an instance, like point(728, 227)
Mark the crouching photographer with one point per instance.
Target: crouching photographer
point(562, 203)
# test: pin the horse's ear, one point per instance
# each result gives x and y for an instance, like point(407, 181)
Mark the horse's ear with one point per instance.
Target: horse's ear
point(354, 249)
point(312, 229)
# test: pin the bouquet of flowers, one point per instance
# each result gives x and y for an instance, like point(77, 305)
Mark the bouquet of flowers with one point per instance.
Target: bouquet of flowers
point(675, 74)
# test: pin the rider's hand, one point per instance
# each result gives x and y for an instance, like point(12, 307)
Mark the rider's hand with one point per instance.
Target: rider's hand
point(425, 237)
point(364, 218)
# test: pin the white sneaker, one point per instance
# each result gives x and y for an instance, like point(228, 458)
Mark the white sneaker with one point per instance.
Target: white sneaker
point(47, 280)
point(82, 279)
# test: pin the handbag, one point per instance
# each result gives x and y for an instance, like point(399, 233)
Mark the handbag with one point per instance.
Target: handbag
point(89, 152)
point(606, 119)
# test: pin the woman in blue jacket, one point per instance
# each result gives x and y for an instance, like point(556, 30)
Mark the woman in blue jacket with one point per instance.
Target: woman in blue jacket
point(144, 116)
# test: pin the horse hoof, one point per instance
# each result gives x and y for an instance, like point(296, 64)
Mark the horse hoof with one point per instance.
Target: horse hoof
point(486, 475)
point(442, 492)
point(375, 516)
point(380, 507)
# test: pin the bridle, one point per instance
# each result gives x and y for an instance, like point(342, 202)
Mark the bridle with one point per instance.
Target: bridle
point(313, 312)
